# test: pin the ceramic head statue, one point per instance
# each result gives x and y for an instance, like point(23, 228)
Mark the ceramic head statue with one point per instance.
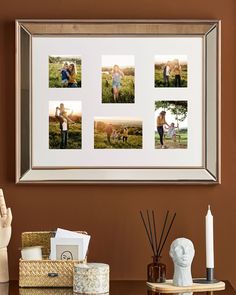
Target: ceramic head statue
point(5, 236)
point(182, 253)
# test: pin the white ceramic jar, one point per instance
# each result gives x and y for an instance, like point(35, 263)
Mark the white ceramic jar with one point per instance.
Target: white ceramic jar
point(91, 278)
point(32, 253)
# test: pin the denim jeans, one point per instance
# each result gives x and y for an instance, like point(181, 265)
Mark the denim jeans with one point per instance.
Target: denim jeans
point(160, 131)
point(177, 81)
point(64, 135)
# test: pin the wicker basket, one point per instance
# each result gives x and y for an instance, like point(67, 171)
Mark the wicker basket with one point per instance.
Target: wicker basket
point(44, 273)
point(45, 291)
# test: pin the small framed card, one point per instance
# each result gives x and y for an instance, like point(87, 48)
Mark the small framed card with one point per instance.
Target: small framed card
point(66, 249)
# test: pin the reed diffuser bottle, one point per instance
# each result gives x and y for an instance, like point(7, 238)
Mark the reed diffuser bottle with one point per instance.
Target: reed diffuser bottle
point(156, 271)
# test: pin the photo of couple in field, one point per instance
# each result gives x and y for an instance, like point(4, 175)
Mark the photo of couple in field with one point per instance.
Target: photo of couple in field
point(118, 79)
point(171, 71)
point(171, 124)
point(64, 71)
point(65, 120)
point(117, 133)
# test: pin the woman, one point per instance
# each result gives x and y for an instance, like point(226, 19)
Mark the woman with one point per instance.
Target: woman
point(117, 74)
point(72, 76)
point(161, 121)
point(177, 73)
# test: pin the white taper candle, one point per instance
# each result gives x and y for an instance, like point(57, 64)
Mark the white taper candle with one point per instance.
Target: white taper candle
point(209, 240)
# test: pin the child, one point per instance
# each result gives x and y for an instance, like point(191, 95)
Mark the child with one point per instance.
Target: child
point(65, 75)
point(117, 74)
point(118, 136)
point(171, 131)
point(125, 134)
point(63, 112)
point(114, 135)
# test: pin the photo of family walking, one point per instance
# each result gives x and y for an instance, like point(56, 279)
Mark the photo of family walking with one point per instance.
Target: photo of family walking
point(117, 133)
point(65, 118)
point(64, 71)
point(171, 124)
point(118, 79)
point(171, 71)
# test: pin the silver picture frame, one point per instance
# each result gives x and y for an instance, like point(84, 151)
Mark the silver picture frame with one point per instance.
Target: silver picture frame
point(209, 30)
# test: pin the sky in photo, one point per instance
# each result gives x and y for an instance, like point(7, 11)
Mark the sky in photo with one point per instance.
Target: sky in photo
point(171, 119)
point(120, 60)
point(76, 106)
point(165, 58)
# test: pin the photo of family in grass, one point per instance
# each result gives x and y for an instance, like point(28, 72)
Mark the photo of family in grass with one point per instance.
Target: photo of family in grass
point(64, 71)
point(118, 79)
point(171, 124)
point(65, 125)
point(171, 71)
point(117, 133)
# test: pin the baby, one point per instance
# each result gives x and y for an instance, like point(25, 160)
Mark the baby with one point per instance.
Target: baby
point(65, 74)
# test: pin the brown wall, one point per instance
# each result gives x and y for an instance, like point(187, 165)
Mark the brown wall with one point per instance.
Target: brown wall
point(110, 213)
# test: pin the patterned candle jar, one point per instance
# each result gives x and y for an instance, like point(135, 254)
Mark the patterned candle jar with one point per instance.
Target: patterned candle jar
point(91, 278)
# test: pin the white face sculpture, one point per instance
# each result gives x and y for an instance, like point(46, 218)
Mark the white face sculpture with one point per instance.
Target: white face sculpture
point(182, 252)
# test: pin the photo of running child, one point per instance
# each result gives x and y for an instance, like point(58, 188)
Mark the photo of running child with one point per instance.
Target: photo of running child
point(118, 79)
point(64, 71)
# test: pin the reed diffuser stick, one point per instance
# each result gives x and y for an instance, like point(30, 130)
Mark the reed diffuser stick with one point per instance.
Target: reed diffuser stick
point(150, 230)
point(162, 233)
point(155, 232)
point(167, 234)
point(147, 232)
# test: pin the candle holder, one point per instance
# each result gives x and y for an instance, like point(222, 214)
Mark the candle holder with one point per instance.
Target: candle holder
point(209, 278)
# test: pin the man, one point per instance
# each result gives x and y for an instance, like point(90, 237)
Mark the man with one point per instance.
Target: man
point(109, 130)
point(166, 75)
point(64, 134)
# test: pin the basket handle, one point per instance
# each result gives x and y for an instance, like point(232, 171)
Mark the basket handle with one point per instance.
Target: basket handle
point(52, 274)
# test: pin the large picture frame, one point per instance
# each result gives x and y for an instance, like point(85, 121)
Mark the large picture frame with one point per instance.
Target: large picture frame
point(124, 82)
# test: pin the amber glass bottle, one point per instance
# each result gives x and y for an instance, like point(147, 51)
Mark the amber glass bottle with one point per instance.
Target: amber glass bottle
point(156, 271)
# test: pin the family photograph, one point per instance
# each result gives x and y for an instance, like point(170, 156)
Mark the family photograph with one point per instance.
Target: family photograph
point(64, 71)
point(118, 79)
point(65, 125)
point(117, 133)
point(171, 124)
point(171, 71)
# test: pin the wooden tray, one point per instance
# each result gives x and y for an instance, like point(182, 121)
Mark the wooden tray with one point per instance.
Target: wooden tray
point(168, 287)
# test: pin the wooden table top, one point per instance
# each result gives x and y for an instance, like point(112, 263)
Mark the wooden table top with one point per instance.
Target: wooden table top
point(116, 288)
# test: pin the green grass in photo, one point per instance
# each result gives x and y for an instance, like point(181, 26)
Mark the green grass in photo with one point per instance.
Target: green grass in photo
point(180, 143)
point(74, 135)
point(159, 76)
point(134, 140)
point(126, 93)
